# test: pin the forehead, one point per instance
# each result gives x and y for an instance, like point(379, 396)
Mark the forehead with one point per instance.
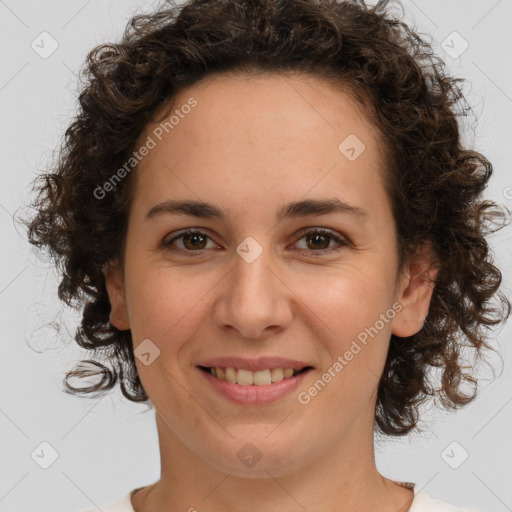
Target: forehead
point(278, 105)
point(271, 134)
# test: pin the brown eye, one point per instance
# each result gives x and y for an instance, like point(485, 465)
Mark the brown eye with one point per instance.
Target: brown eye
point(191, 241)
point(194, 241)
point(318, 241)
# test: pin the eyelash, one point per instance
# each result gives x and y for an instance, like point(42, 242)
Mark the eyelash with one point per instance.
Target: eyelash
point(342, 243)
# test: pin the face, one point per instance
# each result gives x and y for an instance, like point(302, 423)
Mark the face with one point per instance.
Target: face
point(303, 284)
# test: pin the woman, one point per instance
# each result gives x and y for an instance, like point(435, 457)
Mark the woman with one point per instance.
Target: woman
point(276, 233)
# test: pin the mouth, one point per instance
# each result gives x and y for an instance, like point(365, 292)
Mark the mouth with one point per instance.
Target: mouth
point(244, 377)
point(261, 386)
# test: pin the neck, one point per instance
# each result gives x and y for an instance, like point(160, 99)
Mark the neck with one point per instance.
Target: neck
point(344, 478)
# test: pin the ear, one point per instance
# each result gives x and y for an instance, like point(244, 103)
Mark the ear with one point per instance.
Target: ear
point(114, 282)
point(415, 292)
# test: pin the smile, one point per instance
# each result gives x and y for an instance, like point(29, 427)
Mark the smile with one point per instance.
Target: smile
point(245, 377)
point(248, 388)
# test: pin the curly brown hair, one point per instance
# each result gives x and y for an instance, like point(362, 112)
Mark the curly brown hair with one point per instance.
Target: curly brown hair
point(435, 185)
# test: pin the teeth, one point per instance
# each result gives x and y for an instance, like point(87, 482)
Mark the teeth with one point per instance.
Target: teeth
point(230, 374)
point(277, 374)
point(245, 377)
point(248, 378)
point(262, 378)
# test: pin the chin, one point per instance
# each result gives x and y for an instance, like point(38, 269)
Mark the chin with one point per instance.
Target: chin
point(256, 458)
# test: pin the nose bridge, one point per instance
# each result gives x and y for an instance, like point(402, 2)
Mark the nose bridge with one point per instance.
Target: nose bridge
point(252, 279)
point(253, 298)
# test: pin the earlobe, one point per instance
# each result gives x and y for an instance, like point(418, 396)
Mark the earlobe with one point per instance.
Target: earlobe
point(114, 283)
point(415, 294)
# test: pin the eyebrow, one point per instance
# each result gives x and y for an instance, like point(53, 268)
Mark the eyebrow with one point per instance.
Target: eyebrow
point(307, 207)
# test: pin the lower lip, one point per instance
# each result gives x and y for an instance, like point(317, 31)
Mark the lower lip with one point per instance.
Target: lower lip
point(255, 395)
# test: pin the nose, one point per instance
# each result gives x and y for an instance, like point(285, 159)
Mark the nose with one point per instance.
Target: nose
point(254, 300)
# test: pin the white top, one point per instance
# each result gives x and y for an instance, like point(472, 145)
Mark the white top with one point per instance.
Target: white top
point(422, 502)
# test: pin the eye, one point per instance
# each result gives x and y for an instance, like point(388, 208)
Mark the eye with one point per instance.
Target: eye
point(192, 239)
point(318, 242)
point(319, 239)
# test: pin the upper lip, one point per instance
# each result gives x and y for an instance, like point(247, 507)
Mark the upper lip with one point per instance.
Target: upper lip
point(261, 363)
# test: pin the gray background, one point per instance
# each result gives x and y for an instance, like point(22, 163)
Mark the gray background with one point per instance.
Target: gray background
point(108, 446)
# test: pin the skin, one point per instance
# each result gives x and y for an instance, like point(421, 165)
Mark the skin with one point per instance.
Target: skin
point(251, 145)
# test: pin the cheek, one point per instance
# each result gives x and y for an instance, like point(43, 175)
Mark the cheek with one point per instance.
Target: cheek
point(165, 303)
point(164, 307)
point(349, 300)
point(349, 304)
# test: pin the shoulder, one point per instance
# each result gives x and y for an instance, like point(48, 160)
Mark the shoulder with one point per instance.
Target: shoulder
point(423, 502)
